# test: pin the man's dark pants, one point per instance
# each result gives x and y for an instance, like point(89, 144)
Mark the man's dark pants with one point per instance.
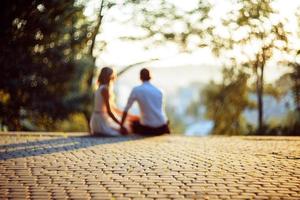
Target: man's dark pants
point(140, 129)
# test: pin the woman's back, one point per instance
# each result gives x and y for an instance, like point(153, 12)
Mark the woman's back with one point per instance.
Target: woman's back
point(102, 121)
point(99, 105)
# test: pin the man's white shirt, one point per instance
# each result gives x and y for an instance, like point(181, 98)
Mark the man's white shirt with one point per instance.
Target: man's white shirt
point(150, 101)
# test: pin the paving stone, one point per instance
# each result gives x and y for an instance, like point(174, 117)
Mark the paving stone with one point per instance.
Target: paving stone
point(165, 167)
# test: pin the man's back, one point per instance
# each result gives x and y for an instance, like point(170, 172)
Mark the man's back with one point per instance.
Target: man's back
point(150, 101)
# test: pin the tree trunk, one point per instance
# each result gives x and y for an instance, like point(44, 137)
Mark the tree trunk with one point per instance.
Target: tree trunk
point(296, 78)
point(91, 72)
point(93, 38)
point(259, 71)
point(14, 123)
point(260, 92)
point(87, 119)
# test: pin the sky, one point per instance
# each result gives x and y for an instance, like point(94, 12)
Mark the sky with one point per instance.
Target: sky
point(121, 53)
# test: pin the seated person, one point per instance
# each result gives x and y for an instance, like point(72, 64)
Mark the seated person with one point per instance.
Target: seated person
point(153, 120)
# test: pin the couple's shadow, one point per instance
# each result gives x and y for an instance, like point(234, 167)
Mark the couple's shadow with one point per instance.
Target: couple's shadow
point(41, 147)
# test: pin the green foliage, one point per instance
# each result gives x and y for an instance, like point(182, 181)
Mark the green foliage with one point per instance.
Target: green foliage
point(164, 21)
point(254, 29)
point(193, 109)
point(290, 125)
point(41, 43)
point(295, 68)
point(74, 123)
point(226, 102)
point(177, 125)
point(295, 76)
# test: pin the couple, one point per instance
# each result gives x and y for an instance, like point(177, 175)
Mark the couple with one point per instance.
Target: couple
point(105, 118)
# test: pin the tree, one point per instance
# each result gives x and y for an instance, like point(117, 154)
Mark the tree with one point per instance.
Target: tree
point(226, 102)
point(253, 33)
point(41, 42)
point(164, 21)
point(295, 65)
point(295, 75)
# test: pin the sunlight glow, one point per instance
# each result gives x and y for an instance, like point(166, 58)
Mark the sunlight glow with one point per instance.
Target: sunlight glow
point(114, 54)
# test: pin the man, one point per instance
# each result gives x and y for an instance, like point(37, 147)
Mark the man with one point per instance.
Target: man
point(153, 120)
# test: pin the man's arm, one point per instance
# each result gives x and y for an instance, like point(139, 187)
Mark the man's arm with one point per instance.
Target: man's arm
point(130, 101)
point(123, 118)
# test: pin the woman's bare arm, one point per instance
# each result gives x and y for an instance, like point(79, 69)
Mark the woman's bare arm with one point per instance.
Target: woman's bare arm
point(120, 113)
point(116, 110)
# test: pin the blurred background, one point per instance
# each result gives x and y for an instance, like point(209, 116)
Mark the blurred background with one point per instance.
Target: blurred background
point(226, 67)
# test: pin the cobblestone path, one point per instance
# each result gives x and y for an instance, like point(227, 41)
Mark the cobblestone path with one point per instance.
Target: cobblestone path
point(166, 167)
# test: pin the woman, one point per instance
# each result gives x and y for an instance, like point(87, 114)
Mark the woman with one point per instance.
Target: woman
point(103, 117)
point(103, 120)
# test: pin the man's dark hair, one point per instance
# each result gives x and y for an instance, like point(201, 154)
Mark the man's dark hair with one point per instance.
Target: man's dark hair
point(145, 74)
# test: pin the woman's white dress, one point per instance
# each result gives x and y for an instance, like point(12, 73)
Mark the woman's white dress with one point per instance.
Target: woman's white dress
point(101, 123)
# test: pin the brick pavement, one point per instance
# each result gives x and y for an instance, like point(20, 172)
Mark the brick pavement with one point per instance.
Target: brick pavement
point(166, 167)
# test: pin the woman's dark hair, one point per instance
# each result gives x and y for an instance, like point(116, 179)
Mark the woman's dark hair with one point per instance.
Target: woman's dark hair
point(105, 75)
